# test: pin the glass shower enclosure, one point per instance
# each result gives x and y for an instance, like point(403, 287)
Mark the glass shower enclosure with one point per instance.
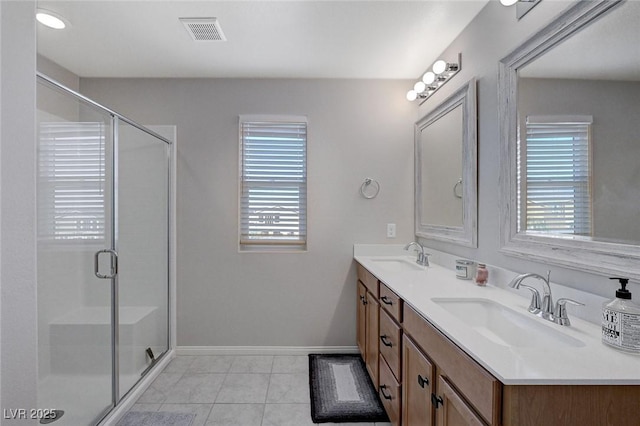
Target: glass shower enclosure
point(103, 254)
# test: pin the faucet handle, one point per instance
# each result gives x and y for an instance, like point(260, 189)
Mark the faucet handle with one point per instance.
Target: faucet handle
point(560, 311)
point(423, 259)
point(534, 306)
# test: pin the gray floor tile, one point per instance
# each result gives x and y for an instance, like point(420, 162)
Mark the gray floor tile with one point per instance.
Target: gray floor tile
point(144, 407)
point(196, 388)
point(200, 410)
point(287, 415)
point(244, 388)
point(252, 364)
point(236, 415)
point(159, 389)
point(211, 364)
point(291, 364)
point(179, 364)
point(288, 388)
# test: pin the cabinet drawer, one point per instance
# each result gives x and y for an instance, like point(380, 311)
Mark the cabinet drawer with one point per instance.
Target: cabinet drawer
point(390, 342)
point(389, 391)
point(369, 280)
point(391, 302)
point(480, 389)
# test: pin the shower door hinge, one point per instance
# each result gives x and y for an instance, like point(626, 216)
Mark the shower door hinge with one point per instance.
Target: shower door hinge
point(113, 270)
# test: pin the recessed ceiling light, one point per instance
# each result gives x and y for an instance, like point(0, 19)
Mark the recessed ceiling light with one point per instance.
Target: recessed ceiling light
point(50, 19)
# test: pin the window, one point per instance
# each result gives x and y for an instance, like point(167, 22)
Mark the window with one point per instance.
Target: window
point(273, 182)
point(71, 182)
point(557, 176)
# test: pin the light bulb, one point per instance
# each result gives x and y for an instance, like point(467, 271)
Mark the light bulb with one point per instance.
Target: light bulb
point(50, 19)
point(428, 77)
point(412, 95)
point(439, 66)
point(419, 87)
point(508, 2)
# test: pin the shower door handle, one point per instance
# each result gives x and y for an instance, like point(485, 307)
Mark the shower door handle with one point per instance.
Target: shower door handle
point(114, 264)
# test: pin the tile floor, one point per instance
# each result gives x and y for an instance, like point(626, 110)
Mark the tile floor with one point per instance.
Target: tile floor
point(235, 391)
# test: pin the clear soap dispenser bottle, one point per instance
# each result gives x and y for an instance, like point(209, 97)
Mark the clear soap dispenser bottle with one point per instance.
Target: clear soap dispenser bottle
point(621, 320)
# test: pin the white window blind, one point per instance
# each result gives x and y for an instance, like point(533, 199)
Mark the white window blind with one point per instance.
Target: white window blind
point(273, 193)
point(71, 181)
point(557, 176)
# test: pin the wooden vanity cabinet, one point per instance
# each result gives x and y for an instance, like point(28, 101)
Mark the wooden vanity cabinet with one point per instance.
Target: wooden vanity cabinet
point(390, 393)
point(372, 351)
point(418, 386)
point(361, 324)
point(452, 409)
point(390, 362)
point(368, 321)
point(464, 389)
point(428, 380)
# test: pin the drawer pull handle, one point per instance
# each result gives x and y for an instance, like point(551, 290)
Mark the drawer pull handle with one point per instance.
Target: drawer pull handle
point(384, 395)
point(436, 400)
point(422, 381)
point(384, 340)
point(386, 300)
point(363, 300)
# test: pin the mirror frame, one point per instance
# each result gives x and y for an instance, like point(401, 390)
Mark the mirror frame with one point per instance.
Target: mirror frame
point(467, 234)
point(599, 257)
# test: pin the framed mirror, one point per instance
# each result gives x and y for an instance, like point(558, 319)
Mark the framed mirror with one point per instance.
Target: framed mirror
point(570, 176)
point(446, 170)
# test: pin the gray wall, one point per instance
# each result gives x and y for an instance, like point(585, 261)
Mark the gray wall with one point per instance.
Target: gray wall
point(492, 35)
point(615, 148)
point(357, 129)
point(18, 356)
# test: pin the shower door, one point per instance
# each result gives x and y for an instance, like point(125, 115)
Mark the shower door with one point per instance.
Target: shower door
point(103, 254)
point(142, 243)
point(75, 215)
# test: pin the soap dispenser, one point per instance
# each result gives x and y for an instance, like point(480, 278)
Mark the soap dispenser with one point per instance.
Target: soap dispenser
point(621, 320)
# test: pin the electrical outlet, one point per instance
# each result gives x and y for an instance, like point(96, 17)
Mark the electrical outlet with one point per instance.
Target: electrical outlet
point(391, 230)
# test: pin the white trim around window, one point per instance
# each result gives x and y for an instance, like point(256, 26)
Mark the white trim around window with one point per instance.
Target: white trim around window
point(272, 183)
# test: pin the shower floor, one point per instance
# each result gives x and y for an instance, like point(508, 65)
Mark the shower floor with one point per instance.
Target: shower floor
point(84, 399)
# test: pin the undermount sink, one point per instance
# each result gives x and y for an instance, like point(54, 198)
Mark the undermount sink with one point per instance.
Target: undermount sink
point(397, 263)
point(504, 326)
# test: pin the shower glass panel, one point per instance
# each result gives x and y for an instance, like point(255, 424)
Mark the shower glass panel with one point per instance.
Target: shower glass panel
point(143, 249)
point(103, 254)
point(74, 210)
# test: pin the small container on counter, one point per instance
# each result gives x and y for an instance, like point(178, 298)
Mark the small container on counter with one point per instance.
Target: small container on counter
point(465, 269)
point(482, 274)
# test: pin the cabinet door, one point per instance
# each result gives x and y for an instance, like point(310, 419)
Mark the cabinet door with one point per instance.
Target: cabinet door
point(452, 410)
point(417, 386)
point(361, 324)
point(373, 327)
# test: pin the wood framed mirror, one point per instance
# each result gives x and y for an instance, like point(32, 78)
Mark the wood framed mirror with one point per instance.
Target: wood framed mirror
point(446, 170)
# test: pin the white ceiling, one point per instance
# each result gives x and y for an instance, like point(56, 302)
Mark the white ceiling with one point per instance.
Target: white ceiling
point(265, 39)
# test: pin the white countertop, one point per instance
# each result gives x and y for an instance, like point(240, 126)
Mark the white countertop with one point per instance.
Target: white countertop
point(591, 364)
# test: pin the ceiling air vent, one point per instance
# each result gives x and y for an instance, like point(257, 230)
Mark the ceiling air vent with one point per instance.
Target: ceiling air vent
point(203, 29)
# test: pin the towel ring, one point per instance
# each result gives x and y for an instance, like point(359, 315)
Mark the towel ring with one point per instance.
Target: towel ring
point(370, 188)
point(455, 188)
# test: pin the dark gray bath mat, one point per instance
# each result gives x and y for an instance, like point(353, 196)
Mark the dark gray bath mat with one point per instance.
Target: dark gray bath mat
point(156, 418)
point(342, 391)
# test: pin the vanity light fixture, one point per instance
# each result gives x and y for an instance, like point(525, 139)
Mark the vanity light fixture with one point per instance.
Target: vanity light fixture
point(438, 74)
point(50, 19)
point(522, 6)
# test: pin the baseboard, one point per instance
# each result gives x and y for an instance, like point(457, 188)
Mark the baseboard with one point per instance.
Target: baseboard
point(263, 350)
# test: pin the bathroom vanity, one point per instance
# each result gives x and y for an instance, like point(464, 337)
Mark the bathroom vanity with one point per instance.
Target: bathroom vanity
point(443, 351)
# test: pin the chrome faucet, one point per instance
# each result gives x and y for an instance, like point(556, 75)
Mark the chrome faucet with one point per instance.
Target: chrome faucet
point(423, 258)
point(545, 308)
